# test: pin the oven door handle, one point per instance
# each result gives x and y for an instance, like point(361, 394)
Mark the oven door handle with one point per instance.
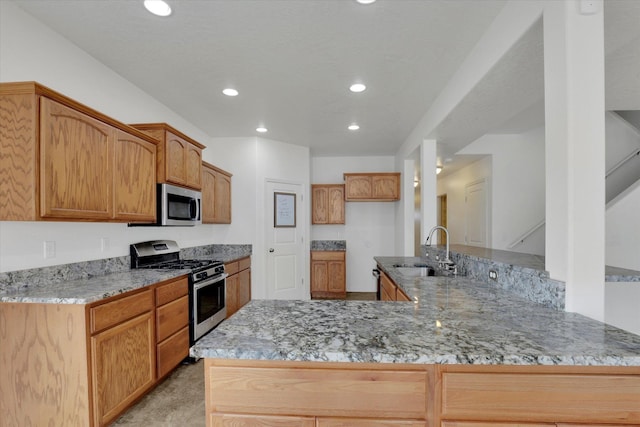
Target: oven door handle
point(208, 282)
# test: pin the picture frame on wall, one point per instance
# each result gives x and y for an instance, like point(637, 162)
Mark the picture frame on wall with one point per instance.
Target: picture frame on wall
point(284, 209)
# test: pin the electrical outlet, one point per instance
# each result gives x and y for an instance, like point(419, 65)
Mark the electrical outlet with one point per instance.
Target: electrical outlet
point(493, 275)
point(49, 249)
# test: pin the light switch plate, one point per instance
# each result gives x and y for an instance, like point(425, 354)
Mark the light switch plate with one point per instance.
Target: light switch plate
point(49, 249)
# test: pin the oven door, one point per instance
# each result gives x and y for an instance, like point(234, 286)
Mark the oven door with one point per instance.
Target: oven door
point(208, 307)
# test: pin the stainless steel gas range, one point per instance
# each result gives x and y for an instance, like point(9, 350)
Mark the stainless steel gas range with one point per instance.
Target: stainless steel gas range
point(207, 281)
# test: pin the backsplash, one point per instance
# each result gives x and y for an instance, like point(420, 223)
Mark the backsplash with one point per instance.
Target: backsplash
point(530, 282)
point(21, 279)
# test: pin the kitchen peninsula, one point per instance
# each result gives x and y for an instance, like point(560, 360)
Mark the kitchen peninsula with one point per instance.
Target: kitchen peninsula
point(462, 353)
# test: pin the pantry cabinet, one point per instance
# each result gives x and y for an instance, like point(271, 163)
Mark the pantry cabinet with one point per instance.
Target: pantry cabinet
point(179, 157)
point(64, 161)
point(327, 204)
point(372, 187)
point(238, 284)
point(216, 195)
point(328, 274)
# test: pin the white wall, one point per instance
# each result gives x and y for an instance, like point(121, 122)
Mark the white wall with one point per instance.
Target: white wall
point(369, 226)
point(517, 184)
point(453, 186)
point(622, 237)
point(622, 139)
point(622, 305)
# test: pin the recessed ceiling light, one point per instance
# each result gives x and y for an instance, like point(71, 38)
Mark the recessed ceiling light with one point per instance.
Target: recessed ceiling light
point(353, 126)
point(158, 7)
point(357, 87)
point(261, 129)
point(366, 1)
point(230, 92)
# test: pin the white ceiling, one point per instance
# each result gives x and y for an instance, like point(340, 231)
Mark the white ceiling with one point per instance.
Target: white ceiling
point(293, 61)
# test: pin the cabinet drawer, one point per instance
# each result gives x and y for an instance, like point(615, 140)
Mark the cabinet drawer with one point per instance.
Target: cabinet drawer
point(172, 317)
point(354, 422)
point(232, 268)
point(327, 256)
point(172, 291)
point(541, 397)
point(244, 263)
point(172, 351)
point(114, 312)
point(317, 392)
point(225, 420)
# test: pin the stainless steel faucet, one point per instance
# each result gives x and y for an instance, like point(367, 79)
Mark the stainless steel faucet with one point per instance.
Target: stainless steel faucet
point(447, 263)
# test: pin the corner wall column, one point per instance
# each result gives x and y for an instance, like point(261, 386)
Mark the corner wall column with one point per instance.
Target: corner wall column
point(575, 151)
point(428, 195)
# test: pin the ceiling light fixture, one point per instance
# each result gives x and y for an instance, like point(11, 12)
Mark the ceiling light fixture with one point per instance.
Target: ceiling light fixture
point(353, 126)
point(261, 129)
point(230, 92)
point(366, 1)
point(438, 169)
point(357, 87)
point(158, 7)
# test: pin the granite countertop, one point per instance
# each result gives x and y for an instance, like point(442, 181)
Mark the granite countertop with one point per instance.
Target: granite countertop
point(61, 284)
point(328, 245)
point(452, 320)
point(85, 291)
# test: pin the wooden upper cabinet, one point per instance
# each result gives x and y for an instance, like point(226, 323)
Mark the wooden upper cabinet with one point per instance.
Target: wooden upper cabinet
point(372, 187)
point(327, 204)
point(75, 164)
point(216, 195)
point(135, 179)
point(65, 161)
point(179, 157)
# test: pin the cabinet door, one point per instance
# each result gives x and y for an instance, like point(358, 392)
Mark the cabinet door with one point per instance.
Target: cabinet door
point(176, 159)
point(336, 204)
point(208, 195)
point(75, 164)
point(244, 287)
point(337, 279)
point(122, 365)
point(319, 204)
point(222, 199)
point(386, 186)
point(358, 187)
point(319, 276)
point(134, 179)
point(172, 351)
point(193, 166)
point(231, 298)
point(388, 288)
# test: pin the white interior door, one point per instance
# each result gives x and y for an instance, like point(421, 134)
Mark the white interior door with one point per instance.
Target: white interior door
point(285, 243)
point(476, 214)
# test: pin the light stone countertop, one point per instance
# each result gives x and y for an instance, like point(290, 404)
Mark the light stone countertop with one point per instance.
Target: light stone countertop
point(453, 320)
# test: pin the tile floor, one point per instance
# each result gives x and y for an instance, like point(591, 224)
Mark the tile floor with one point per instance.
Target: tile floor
point(179, 400)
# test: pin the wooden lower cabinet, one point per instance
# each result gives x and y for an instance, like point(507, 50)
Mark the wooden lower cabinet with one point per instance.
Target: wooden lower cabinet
point(238, 289)
point(328, 274)
point(379, 394)
point(389, 291)
point(172, 324)
point(123, 366)
point(85, 364)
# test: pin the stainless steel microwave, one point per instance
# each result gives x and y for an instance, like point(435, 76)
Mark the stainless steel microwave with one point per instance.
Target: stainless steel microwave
point(178, 206)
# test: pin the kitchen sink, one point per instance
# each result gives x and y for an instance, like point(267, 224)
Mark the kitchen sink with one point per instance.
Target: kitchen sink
point(415, 270)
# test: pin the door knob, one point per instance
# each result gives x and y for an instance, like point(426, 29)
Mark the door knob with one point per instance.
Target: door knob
point(271, 250)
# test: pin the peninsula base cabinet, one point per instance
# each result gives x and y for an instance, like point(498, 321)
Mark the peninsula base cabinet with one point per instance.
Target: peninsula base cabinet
point(82, 364)
point(254, 393)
